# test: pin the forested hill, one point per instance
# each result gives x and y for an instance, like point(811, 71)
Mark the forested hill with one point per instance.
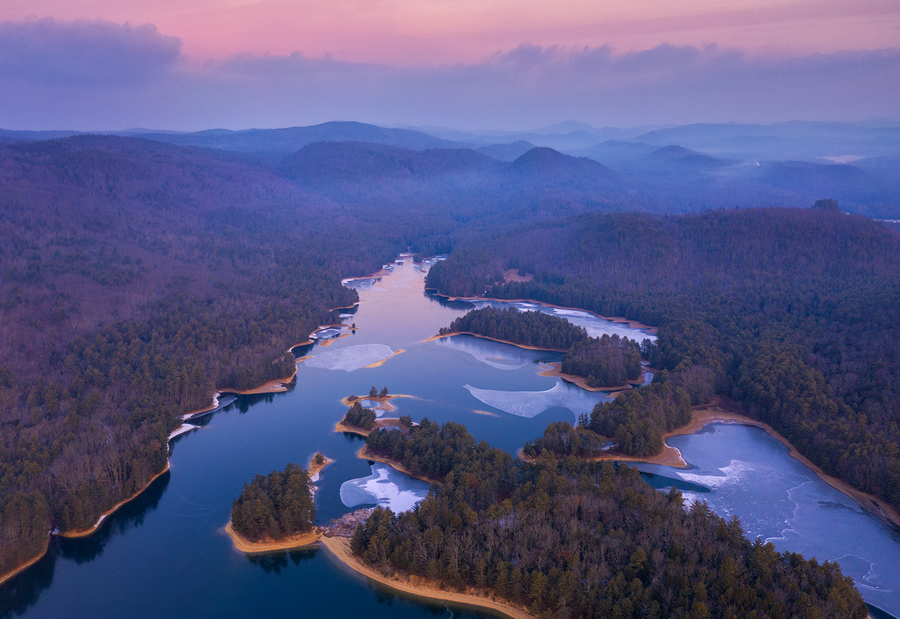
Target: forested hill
point(794, 313)
point(573, 539)
point(138, 276)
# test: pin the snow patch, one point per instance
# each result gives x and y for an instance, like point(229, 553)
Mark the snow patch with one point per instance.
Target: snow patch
point(386, 487)
point(350, 358)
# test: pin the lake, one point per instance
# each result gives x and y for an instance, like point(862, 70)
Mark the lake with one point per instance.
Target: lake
point(165, 555)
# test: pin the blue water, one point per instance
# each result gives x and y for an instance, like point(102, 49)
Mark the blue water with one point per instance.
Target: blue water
point(165, 554)
point(741, 470)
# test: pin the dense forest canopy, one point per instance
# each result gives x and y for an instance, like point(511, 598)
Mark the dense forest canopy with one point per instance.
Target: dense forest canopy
point(525, 328)
point(792, 312)
point(603, 362)
point(570, 539)
point(360, 417)
point(607, 361)
point(137, 277)
point(275, 506)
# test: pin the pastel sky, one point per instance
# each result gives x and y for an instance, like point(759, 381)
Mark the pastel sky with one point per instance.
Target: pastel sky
point(193, 64)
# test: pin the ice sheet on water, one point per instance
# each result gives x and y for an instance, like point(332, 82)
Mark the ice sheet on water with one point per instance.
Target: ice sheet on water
point(386, 487)
point(594, 325)
point(350, 358)
point(497, 356)
point(529, 404)
point(734, 473)
point(328, 333)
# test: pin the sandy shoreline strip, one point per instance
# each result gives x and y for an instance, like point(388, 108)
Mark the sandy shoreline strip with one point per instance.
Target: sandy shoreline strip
point(339, 548)
point(384, 401)
point(277, 385)
point(723, 410)
point(214, 404)
point(378, 364)
point(364, 454)
point(315, 468)
point(292, 542)
point(332, 340)
point(26, 564)
point(416, 587)
point(493, 339)
point(384, 422)
point(555, 371)
point(104, 515)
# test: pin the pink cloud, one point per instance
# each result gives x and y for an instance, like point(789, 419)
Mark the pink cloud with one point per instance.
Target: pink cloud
point(48, 80)
point(407, 32)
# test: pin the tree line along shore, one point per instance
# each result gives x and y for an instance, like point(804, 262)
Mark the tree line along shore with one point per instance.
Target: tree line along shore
point(122, 321)
point(564, 537)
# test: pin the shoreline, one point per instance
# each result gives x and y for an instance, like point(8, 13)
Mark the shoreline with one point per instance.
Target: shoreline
point(315, 468)
point(332, 340)
point(493, 339)
point(339, 549)
point(77, 533)
point(293, 542)
point(634, 324)
point(363, 454)
point(212, 406)
point(26, 564)
point(555, 371)
point(378, 364)
point(723, 410)
point(85, 532)
point(276, 385)
point(384, 401)
point(869, 502)
point(383, 422)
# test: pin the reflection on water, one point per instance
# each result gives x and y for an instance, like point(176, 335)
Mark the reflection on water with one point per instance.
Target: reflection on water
point(532, 403)
point(132, 514)
point(275, 563)
point(21, 592)
point(164, 554)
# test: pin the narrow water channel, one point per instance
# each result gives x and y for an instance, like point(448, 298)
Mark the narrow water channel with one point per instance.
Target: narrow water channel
point(165, 555)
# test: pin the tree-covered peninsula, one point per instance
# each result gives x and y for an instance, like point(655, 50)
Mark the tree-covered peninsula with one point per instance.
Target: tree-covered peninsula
point(631, 424)
point(793, 313)
point(534, 329)
point(607, 361)
point(565, 538)
point(275, 506)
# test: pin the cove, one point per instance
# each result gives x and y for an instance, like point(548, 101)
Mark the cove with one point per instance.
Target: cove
point(164, 554)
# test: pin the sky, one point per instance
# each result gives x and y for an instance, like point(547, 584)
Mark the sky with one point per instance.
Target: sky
point(499, 64)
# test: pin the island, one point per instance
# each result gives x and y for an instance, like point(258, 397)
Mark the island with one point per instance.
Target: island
point(609, 363)
point(316, 464)
point(363, 420)
point(274, 512)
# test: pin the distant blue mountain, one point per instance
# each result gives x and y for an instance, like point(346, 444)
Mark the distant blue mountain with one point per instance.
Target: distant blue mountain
point(292, 139)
